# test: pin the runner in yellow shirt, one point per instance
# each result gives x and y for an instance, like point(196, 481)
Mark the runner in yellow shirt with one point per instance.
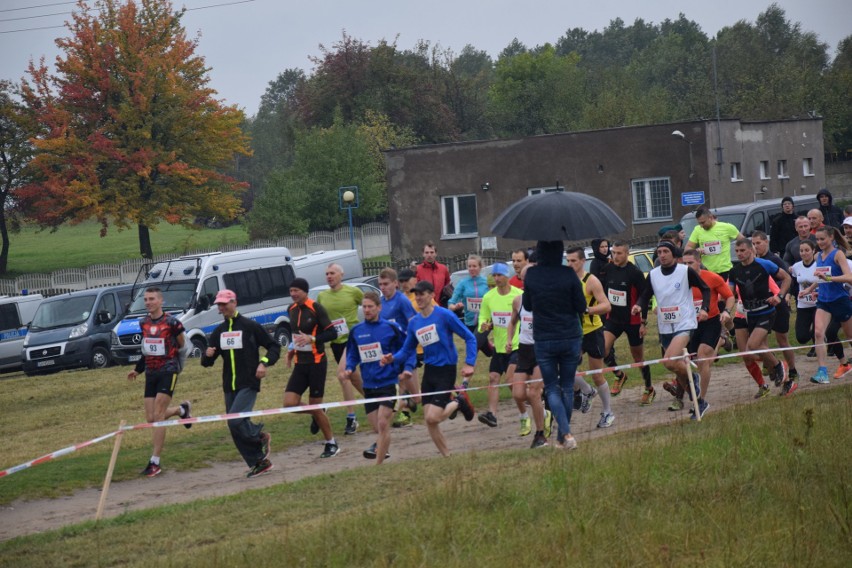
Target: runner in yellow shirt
point(713, 240)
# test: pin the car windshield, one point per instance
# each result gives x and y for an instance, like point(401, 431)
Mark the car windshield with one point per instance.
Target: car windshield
point(64, 312)
point(176, 296)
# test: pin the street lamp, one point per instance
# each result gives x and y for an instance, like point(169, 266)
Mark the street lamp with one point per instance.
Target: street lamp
point(347, 198)
point(682, 136)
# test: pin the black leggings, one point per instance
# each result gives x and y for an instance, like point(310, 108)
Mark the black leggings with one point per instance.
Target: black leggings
point(805, 331)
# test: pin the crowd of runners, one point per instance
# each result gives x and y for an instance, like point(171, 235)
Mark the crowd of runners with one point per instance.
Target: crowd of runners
point(534, 323)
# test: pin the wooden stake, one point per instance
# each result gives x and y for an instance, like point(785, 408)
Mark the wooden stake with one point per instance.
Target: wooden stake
point(110, 469)
point(691, 384)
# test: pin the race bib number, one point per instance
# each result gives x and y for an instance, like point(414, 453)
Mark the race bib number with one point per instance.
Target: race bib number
point(822, 271)
point(230, 340)
point(427, 335)
point(370, 353)
point(697, 306)
point(618, 298)
point(501, 319)
point(809, 299)
point(526, 323)
point(713, 247)
point(670, 314)
point(154, 346)
point(341, 327)
point(473, 304)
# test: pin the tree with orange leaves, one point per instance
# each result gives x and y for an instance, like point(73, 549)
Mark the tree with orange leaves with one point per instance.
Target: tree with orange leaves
point(130, 131)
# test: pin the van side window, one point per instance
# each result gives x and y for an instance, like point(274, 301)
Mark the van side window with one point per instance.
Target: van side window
point(757, 222)
point(107, 304)
point(246, 286)
point(124, 299)
point(210, 289)
point(273, 283)
point(9, 318)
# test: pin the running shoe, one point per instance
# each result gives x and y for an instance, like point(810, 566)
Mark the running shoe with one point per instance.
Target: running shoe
point(186, 406)
point(677, 404)
point(779, 375)
point(703, 405)
point(466, 408)
point(812, 353)
point(821, 378)
point(842, 370)
point(615, 390)
point(265, 438)
point(370, 453)
point(539, 441)
point(351, 425)
point(569, 443)
point(262, 467)
point(607, 419)
point(402, 419)
point(789, 388)
point(151, 470)
point(696, 383)
point(578, 399)
point(314, 426)
point(488, 419)
point(793, 374)
point(526, 427)
point(727, 344)
point(762, 391)
point(674, 389)
point(331, 450)
point(586, 401)
point(648, 396)
point(548, 423)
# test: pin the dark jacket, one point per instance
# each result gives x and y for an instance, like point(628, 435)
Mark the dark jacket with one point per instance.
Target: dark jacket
point(831, 213)
point(554, 294)
point(782, 232)
point(240, 365)
point(600, 261)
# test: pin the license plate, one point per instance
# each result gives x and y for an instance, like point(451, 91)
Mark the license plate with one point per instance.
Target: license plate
point(134, 358)
point(47, 363)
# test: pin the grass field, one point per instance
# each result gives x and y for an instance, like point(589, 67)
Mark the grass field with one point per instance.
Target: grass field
point(739, 491)
point(78, 246)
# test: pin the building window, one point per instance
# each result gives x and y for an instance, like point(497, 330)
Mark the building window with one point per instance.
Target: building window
point(458, 214)
point(782, 169)
point(538, 190)
point(764, 169)
point(736, 172)
point(808, 166)
point(652, 199)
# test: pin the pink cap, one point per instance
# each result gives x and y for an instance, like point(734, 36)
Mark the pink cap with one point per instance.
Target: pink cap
point(225, 296)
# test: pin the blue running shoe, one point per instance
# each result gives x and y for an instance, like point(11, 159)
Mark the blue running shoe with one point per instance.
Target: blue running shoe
point(821, 378)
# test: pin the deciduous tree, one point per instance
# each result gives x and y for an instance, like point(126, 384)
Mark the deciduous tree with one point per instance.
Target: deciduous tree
point(133, 133)
point(15, 154)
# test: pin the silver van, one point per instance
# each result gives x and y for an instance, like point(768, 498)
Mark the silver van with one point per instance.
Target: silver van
point(73, 330)
point(15, 313)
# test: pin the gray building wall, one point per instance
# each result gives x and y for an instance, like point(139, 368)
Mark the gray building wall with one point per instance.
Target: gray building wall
point(602, 163)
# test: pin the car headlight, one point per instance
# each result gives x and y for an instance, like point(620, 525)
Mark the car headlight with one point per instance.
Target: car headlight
point(27, 340)
point(78, 331)
point(113, 338)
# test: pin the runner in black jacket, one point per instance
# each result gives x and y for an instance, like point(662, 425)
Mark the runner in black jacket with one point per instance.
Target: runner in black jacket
point(238, 340)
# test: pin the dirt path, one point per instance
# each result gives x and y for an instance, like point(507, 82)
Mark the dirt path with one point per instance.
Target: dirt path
point(730, 385)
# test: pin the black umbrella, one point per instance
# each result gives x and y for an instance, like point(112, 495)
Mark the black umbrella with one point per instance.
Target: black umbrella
point(557, 216)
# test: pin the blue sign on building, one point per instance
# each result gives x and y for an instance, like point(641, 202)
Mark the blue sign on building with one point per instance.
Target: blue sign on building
point(692, 198)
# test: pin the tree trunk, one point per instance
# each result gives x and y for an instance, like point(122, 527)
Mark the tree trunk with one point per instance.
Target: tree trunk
point(145, 242)
point(4, 232)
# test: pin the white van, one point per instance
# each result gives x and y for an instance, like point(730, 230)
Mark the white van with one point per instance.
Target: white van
point(16, 312)
point(260, 277)
point(312, 266)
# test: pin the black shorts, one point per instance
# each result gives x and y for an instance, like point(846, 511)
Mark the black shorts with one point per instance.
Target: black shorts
point(157, 382)
point(707, 333)
point(593, 344)
point(526, 359)
point(419, 360)
point(500, 362)
point(632, 331)
point(337, 350)
point(740, 323)
point(308, 376)
point(763, 321)
point(436, 379)
point(782, 318)
point(389, 390)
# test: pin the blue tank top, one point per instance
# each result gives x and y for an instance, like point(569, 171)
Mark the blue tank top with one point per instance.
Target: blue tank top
point(829, 291)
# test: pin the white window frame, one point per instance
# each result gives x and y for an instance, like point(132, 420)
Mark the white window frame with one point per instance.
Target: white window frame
point(646, 183)
point(548, 189)
point(736, 171)
point(783, 173)
point(456, 220)
point(764, 169)
point(808, 167)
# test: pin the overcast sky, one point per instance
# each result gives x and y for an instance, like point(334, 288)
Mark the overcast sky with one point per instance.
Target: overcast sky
point(247, 44)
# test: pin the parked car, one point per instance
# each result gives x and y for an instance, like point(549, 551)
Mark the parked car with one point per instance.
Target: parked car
point(314, 292)
point(73, 330)
point(312, 266)
point(16, 312)
point(642, 258)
